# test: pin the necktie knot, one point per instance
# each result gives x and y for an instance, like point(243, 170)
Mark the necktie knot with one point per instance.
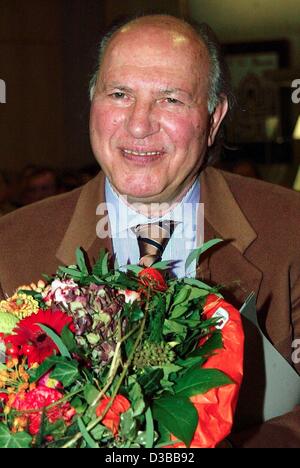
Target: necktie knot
point(152, 240)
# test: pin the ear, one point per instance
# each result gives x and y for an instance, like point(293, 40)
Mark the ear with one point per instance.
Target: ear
point(216, 119)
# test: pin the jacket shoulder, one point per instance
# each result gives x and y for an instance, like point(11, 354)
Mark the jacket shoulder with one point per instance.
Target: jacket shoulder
point(39, 217)
point(269, 195)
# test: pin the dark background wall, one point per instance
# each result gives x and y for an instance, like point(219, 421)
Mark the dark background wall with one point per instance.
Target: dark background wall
point(47, 54)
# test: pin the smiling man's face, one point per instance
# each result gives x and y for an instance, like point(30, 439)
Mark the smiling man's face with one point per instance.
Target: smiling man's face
point(149, 123)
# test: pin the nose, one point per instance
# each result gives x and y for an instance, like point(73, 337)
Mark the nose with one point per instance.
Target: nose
point(142, 121)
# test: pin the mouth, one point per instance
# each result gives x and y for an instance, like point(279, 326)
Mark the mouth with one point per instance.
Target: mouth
point(142, 157)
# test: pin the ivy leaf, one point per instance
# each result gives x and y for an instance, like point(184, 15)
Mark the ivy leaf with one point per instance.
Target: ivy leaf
point(198, 381)
point(36, 374)
point(195, 254)
point(66, 373)
point(18, 440)
point(90, 393)
point(178, 415)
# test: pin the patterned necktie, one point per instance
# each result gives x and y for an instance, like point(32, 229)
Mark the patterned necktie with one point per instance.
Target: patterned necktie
point(152, 239)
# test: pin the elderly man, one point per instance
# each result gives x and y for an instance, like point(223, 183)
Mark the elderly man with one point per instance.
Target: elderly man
point(158, 100)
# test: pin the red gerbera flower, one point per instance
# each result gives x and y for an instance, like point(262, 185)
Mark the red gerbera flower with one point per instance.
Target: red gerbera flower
point(32, 341)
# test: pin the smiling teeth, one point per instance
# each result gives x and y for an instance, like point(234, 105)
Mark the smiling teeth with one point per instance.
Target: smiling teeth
point(142, 153)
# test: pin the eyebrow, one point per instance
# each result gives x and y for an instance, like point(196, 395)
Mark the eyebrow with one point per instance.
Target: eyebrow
point(168, 91)
point(117, 85)
point(175, 90)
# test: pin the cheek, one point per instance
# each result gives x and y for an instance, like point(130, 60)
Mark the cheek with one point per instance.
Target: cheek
point(104, 120)
point(184, 131)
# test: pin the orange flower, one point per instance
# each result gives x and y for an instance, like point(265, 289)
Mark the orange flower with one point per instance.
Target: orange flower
point(112, 418)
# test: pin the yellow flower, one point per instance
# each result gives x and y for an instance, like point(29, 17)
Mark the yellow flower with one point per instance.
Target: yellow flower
point(21, 305)
point(19, 424)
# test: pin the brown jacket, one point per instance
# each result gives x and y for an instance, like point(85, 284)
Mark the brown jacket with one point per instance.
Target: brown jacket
point(260, 223)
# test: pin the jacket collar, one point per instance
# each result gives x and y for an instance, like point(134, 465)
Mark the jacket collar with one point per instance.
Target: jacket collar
point(222, 211)
point(82, 230)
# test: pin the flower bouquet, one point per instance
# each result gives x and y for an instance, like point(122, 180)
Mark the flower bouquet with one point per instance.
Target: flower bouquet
point(100, 358)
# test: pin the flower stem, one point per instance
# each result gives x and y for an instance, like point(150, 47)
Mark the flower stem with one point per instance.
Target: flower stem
point(94, 423)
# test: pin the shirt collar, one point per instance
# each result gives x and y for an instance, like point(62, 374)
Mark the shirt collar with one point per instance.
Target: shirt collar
point(123, 217)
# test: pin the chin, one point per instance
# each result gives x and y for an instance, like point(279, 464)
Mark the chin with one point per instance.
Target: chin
point(137, 189)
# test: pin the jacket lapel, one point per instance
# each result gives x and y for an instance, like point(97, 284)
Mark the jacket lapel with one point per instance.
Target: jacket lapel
point(89, 216)
point(227, 263)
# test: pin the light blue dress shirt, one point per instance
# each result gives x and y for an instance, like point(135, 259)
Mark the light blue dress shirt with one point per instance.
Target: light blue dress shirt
point(184, 239)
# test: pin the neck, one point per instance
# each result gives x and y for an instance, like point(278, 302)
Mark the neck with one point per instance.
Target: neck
point(155, 209)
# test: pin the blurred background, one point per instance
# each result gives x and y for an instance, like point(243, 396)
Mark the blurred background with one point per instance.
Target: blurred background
point(48, 51)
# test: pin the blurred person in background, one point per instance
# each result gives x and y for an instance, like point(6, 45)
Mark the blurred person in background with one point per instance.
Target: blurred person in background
point(36, 183)
point(5, 193)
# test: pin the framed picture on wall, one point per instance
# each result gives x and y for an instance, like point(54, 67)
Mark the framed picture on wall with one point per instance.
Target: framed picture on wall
point(257, 118)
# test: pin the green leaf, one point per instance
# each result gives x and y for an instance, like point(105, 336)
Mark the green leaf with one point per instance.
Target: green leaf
point(80, 260)
point(179, 310)
point(90, 393)
point(101, 266)
point(150, 380)
point(198, 381)
point(68, 339)
point(79, 405)
point(149, 429)
point(90, 442)
point(128, 427)
point(18, 440)
point(164, 265)
point(98, 431)
point(72, 272)
point(195, 254)
point(182, 295)
point(191, 361)
point(135, 268)
point(66, 373)
point(198, 284)
point(57, 429)
point(57, 340)
point(178, 415)
point(170, 326)
point(212, 344)
point(136, 397)
point(36, 374)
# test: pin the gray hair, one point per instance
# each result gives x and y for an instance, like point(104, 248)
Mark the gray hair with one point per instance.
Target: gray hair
point(219, 73)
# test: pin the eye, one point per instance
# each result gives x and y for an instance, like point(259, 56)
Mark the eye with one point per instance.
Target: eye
point(173, 101)
point(118, 95)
